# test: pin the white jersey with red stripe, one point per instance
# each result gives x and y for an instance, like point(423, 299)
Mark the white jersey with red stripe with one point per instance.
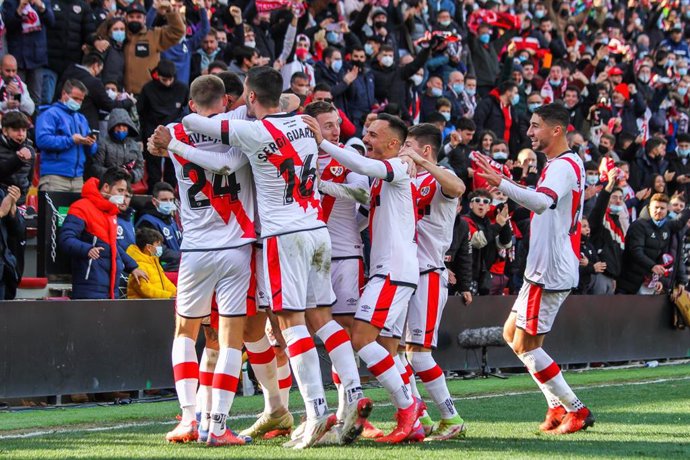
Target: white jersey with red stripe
point(435, 220)
point(340, 214)
point(283, 154)
point(392, 226)
point(217, 210)
point(554, 242)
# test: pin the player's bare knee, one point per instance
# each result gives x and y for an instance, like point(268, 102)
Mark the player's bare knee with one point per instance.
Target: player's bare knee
point(317, 317)
point(187, 327)
point(211, 337)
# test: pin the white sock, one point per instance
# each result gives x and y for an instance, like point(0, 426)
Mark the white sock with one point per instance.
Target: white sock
point(225, 381)
point(186, 372)
point(339, 349)
point(411, 379)
point(203, 395)
point(434, 381)
point(546, 371)
point(340, 413)
point(382, 366)
point(403, 373)
point(304, 361)
point(262, 357)
point(285, 384)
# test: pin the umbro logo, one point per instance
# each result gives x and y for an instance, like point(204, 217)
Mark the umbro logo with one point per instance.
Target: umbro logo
point(351, 301)
point(365, 308)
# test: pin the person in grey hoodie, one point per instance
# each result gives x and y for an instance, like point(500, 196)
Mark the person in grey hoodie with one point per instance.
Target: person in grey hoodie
point(119, 147)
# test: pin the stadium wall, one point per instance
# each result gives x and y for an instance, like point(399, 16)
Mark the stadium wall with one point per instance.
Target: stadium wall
point(66, 347)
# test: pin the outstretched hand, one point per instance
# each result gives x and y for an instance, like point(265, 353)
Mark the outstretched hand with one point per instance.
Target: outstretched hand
point(486, 171)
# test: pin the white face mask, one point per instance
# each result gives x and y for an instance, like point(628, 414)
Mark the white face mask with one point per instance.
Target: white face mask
point(387, 61)
point(117, 199)
point(112, 94)
point(250, 43)
point(416, 79)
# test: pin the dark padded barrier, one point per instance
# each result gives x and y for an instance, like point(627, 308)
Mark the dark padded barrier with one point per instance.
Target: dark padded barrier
point(49, 348)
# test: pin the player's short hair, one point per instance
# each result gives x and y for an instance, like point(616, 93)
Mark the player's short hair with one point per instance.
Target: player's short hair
point(267, 84)
point(554, 114)
point(427, 134)
point(16, 120)
point(146, 236)
point(162, 187)
point(114, 175)
point(396, 125)
point(481, 192)
point(660, 197)
point(319, 108)
point(232, 82)
point(206, 90)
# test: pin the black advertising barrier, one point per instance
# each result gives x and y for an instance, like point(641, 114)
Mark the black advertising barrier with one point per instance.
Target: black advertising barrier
point(80, 346)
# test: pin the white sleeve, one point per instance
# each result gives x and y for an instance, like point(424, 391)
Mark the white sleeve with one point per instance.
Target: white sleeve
point(352, 191)
point(559, 180)
point(220, 162)
point(236, 133)
point(531, 199)
point(288, 42)
point(388, 170)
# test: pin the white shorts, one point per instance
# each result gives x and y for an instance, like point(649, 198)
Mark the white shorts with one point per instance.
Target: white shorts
point(384, 305)
point(536, 309)
point(262, 300)
point(347, 277)
point(298, 269)
point(222, 272)
point(426, 308)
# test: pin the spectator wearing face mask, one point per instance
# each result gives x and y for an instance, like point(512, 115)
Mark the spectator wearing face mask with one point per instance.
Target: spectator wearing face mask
point(497, 113)
point(646, 242)
point(484, 52)
point(143, 45)
point(432, 93)
point(679, 164)
point(17, 154)
point(205, 55)
point(330, 71)
point(299, 63)
point(590, 265)
point(147, 252)
point(360, 92)
point(159, 215)
point(469, 96)
point(114, 30)
point(119, 148)
point(649, 162)
point(454, 91)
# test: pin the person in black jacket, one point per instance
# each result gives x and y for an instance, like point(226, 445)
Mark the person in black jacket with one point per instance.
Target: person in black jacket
point(647, 240)
point(459, 260)
point(590, 265)
point(680, 165)
point(497, 113)
point(97, 104)
point(390, 79)
point(11, 227)
point(609, 222)
point(159, 215)
point(161, 101)
point(17, 153)
point(330, 71)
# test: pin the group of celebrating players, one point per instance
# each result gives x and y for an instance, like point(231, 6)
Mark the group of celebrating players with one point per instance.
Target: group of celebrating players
point(313, 198)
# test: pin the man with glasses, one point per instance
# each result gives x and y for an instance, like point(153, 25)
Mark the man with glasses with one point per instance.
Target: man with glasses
point(487, 237)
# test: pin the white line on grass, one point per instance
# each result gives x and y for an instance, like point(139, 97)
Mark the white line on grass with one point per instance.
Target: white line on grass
point(34, 434)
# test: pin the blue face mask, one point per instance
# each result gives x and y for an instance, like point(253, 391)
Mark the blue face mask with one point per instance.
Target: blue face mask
point(616, 208)
point(157, 251)
point(534, 106)
point(166, 207)
point(337, 65)
point(119, 35)
point(73, 105)
point(120, 135)
point(509, 2)
point(683, 152)
point(683, 71)
point(515, 99)
point(672, 215)
point(458, 87)
point(470, 91)
point(592, 180)
point(446, 115)
point(683, 91)
point(436, 92)
point(555, 83)
point(523, 58)
point(659, 223)
point(540, 14)
point(485, 38)
point(500, 156)
point(332, 37)
point(369, 49)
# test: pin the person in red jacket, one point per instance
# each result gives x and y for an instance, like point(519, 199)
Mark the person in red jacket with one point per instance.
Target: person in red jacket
point(322, 92)
point(89, 237)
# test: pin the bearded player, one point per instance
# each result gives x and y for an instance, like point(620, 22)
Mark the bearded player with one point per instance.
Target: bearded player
point(552, 262)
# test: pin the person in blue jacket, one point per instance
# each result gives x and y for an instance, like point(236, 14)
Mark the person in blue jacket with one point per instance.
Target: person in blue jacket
point(65, 140)
point(159, 215)
point(89, 237)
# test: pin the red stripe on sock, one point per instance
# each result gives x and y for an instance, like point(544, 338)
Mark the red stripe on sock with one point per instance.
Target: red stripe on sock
point(382, 366)
point(410, 372)
point(336, 339)
point(406, 378)
point(547, 373)
point(430, 375)
point(285, 383)
point(336, 378)
point(225, 382)
point(205, 378)
point(299, 347)
point(188, 370)
point(261, 357)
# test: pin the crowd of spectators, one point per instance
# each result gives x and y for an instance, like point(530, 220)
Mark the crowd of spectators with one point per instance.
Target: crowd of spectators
point(85, 82)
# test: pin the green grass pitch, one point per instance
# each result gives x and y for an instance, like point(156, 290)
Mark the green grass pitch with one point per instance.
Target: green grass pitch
point(640, 413)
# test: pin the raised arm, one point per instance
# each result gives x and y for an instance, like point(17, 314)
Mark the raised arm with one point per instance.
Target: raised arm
point(357, 163)
point(451, 185)
point(355, 189)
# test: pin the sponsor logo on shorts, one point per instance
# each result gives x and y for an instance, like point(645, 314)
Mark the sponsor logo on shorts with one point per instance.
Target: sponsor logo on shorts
point(417, 332)
point(365, 308)
point(351, 301)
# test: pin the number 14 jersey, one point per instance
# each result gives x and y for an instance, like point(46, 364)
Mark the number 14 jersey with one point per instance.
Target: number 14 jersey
point(217, 209)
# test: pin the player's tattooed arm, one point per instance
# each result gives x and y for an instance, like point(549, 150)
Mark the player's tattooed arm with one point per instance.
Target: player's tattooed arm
point(288, 103)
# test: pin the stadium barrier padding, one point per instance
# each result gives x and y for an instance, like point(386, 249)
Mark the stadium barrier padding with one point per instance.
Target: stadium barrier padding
point(66, 347)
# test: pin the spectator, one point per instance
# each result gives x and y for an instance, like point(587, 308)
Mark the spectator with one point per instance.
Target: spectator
point(299, 84)
point(486, 239)
point(146, 253)
point(679, 164)
point(590, 265)
point(116, 93)
point(433, 92)
point(161, 101)
point(459, 260)
point(497, 113)
point(647, 240)
point(97, 102)
point(322, 92)
point(299, 63)
point(454, 93)
point(143, 45)
point(485, 56)
point(648, 163)
point(89, 237)
point(244, 58)
point(26, 23)
point(14, 94)
point(125, 222)
point(65, 141)
point(119, 148)
point(469, 98)
point(458, 149)
point(17, 154)
point(114, 57)
point(206, 54)
point(330, 71)
point(11, 227)
point(359, 95)
point(159, 215)
point(74, 26)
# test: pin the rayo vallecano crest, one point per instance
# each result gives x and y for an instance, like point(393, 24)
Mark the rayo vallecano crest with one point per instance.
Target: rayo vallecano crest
point(337, 170)
point(424, 191)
